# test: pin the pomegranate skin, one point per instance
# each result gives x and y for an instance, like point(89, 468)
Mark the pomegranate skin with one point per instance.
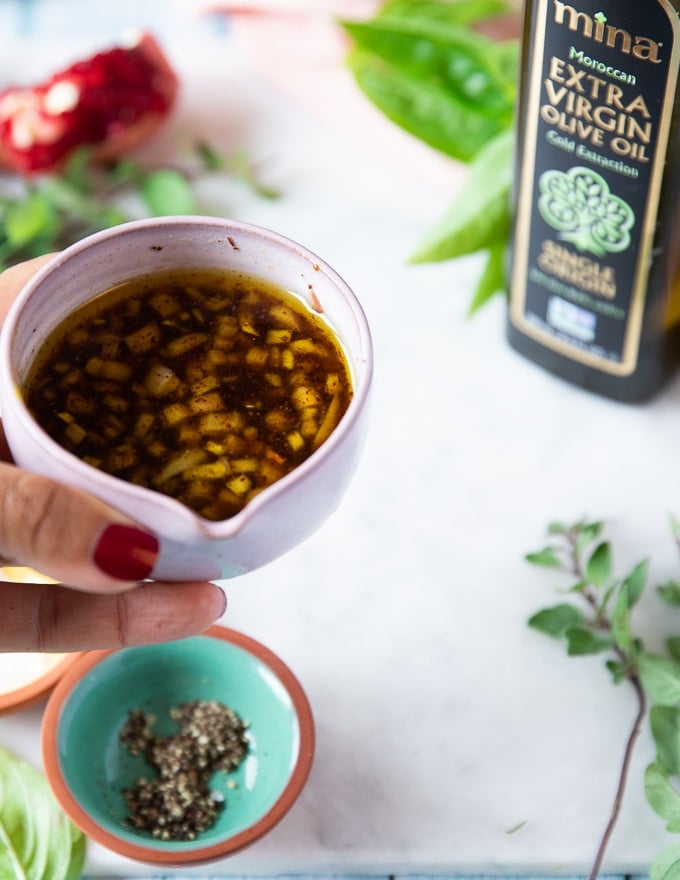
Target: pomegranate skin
point(111, 102)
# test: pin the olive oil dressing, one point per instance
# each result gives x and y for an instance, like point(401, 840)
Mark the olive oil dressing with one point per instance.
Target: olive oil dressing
point(594, 276)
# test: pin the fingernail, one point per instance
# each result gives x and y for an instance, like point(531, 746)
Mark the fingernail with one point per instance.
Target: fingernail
point(126, 553)
point(224, 601)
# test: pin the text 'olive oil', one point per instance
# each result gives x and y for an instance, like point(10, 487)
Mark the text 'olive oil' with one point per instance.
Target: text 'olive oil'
point(595, 268)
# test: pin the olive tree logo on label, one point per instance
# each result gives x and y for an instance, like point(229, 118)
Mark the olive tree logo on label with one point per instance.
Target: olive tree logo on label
point(579, 205)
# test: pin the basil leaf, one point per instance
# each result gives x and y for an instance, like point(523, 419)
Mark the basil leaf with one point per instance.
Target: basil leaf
point(547, 558)
point(435, 117)
point(166, 191)
point(444, 11)
point(670, 592)
point(620, 622)
point(454, 60)
point(37, 841)
point(492, 280)
point(28, 219)
point(71, 200)
point(557, 620)
point(122, 172)
point(667, 865)
point(444, 19)
point(660, 794)
point(599, 565)
point(211, 159)
point(665, 726)
point(660, 678)
point(479, 216)
point(619, 671)
point(76, 170)
point(635, 582)
point(582, 642)
point(587, 533)
point(444, 84)
point(673, 645)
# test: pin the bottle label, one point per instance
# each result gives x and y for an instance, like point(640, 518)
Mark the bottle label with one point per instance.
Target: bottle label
point(601, 87)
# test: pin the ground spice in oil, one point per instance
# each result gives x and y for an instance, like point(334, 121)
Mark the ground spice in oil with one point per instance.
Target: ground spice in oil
point(178, 804)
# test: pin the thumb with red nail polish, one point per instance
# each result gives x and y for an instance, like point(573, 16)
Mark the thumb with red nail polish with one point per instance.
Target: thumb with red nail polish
point(126, 552)
point(103, 561)
point(70, 535)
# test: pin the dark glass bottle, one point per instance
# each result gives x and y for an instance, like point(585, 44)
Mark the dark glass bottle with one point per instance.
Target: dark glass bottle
point(594, 276)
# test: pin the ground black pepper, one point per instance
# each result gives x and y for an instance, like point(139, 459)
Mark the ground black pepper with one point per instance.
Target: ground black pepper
point(178, 803)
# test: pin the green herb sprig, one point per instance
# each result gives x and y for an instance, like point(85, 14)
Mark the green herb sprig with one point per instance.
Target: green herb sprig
point(597, 619)
point(37, 841)
point(51, 211)
point(424, 66)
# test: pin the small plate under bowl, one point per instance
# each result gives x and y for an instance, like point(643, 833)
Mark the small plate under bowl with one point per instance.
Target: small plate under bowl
point(88, 769)
point(33, 676)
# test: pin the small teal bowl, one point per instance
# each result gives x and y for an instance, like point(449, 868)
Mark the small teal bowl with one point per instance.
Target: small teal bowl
point(88, 769)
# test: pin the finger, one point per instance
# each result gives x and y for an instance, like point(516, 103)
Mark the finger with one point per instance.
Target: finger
point(13, 279)
point(69, 535)
point(43, 617)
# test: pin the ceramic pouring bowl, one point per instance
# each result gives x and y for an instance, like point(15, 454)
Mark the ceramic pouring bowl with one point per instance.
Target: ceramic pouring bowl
point(282, 515)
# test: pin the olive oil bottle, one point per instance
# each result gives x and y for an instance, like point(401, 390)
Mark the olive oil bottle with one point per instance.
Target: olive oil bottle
point(594, 274)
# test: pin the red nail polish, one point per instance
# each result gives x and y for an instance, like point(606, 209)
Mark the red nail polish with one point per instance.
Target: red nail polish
point(126, 553)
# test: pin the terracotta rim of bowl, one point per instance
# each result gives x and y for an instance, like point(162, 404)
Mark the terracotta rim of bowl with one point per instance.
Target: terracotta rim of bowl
point(34, 690)
point(140, 852)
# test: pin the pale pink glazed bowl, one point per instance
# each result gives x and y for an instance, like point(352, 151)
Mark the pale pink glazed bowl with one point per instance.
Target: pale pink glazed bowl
point(280, 517)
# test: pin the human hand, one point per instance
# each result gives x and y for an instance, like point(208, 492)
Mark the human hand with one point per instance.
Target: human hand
point(99, 557)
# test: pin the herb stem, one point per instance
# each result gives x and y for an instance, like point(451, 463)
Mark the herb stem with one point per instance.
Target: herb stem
point(623, 775)
point(603, 623)
point(576, 564)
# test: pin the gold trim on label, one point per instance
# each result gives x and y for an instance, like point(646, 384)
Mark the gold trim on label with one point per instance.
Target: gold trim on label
point(525, 207)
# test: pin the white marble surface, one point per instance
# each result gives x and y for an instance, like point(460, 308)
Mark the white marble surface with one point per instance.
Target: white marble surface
point(443, 721)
